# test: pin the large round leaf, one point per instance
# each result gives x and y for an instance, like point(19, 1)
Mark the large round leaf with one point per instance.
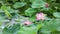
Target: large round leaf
point(38, 4)
point(56, 14)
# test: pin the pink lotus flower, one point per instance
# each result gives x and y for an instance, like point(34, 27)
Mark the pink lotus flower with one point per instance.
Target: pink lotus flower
point(46, 5)
point(40, 16)
point(27, 22)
